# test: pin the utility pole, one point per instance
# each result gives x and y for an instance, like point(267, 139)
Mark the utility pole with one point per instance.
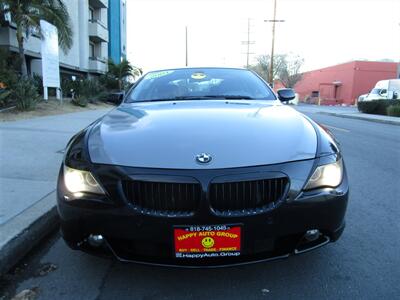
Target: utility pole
point(186, 46)
point(248, 43)
point(271, 64)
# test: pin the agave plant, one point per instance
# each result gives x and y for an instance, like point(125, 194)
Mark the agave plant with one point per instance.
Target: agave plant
point(25, 94)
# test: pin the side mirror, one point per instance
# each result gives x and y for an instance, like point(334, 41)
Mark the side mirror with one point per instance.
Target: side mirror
point(285, 95)
point(116, 98)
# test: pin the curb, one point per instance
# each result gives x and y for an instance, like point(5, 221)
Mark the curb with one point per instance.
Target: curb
point(27, 230)
point(382, 121)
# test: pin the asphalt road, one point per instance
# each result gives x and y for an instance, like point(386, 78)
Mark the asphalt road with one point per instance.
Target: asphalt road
point(363, 264)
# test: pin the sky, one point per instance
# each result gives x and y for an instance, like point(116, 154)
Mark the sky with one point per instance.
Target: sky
point(322, 32)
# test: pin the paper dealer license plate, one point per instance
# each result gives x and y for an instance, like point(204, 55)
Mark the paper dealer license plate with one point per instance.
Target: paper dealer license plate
point(208, 241)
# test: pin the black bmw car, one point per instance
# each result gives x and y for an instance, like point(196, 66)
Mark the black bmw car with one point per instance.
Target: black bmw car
point(202, 167)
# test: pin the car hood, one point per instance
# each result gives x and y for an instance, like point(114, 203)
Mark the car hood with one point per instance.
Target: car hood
point(171, 134)
point(374, 97)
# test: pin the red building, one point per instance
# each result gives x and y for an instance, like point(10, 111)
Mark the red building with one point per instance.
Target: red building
point(342, 84)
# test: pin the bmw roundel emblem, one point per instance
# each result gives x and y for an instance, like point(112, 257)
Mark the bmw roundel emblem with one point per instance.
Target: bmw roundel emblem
point(203, 158)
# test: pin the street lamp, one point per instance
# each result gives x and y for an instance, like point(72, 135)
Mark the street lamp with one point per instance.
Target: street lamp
point(271, 64)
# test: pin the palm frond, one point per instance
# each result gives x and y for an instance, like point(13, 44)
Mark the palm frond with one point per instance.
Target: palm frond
point(56, 13)
point(27, 15)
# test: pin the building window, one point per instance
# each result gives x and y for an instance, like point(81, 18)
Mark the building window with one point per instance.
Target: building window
point(91, 14)
point(315, 94)
point(91, 50)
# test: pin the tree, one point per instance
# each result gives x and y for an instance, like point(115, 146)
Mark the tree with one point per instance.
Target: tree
point(122, 71)
point(26, 15)
point(286, 68)
point(263, 62)
point(290, 73)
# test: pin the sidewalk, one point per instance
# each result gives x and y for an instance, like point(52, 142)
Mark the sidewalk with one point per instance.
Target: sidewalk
point(30, 157)
point(350, 112)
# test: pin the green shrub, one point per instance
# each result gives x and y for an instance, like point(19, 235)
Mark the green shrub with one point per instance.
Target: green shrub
point(9, 60)
point(90, 88)
point(86, 90)
point(109, 82)
point(38, 82)
point(24, 94)
point(4, 97)
point(378, 107)
point(394, 110)
point(9, 67)
point(8, 77)
point(80, 101)
point(68, 85)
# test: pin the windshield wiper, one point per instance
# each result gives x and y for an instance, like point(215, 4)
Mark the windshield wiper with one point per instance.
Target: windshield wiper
point(174, 98)
point(225, 97)
point(212, 97)
point(228, 97)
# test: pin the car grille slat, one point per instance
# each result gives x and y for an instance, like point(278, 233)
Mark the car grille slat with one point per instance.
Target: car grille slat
point(163, 197)
point(159, 187)
point(139, 192)
point(250, 194)
point(246, 196)
point(269, 190)
point(240, 197)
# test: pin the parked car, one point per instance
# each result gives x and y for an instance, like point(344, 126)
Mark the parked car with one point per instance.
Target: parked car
point(116, 97)
point(202, 167)
point(385, 90)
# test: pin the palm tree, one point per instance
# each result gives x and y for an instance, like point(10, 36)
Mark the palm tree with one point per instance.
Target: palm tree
point(26, 15)
point(122, 70)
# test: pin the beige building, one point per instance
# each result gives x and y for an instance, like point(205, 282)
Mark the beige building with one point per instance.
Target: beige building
point(89, 52)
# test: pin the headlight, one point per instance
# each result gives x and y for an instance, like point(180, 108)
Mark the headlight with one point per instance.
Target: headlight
point(329, 175)
point(78, 181)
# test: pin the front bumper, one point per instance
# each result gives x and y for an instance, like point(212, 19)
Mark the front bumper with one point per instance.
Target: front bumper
point(131, 235)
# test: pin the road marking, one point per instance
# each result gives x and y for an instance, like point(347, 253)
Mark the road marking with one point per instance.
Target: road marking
point(336, 128)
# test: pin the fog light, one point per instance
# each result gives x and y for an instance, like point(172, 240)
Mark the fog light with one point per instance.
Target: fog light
point(95, 240)
point(312, 235)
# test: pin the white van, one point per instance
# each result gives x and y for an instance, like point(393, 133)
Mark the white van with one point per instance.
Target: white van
point(295, 101)
point(384, 90)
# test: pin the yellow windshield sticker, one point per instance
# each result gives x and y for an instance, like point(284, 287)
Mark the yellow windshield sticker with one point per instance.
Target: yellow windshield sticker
point(199, 75)
point(159, 74)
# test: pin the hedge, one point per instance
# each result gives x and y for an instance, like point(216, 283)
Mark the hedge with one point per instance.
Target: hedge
point(394, 110)
point(378, 107)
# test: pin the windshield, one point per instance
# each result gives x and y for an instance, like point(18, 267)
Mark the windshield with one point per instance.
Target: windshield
point(375, 91)
point(205, 83)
